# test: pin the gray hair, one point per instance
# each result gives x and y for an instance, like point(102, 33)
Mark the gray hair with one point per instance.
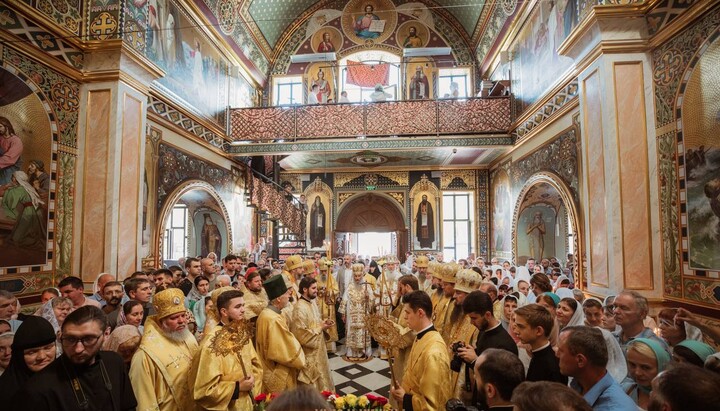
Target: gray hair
point(640, 301)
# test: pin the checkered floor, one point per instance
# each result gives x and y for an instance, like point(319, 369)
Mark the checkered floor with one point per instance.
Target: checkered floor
point(372, 377)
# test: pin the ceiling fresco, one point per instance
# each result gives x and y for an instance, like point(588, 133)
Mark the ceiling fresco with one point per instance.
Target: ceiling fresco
point(390, 159)
point(272, 17)
point(542, 194)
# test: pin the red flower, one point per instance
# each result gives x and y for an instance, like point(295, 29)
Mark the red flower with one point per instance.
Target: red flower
point(382, 400)
point(274, 395)
point(260, 397)
point(326, 394)
point(372, 398)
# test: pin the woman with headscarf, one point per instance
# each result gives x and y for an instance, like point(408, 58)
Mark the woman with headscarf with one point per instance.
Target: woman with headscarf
point(645, 360)
point(132, 313)
point(569, 313)
point(22, 204)
point(562, 287)
point(674, 331)
point(509, 303)
point(692, 352)
point(124, 340)
point(33, 349)
point(55, 312)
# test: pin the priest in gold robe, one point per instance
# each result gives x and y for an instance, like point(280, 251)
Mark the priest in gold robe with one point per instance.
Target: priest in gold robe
point(461, 330)
point(447, 302)
point(226, 372)
point(308, 327)
point(280, 353)
point(406, 285)
point(327, 296)
point(292, 271)
point(424, 273)
point(437, 284)
point(423, 386)
point(159, 369)
point(356, 303)
point(254, 294)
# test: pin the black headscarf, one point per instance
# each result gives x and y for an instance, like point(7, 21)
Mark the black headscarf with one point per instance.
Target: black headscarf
point(32, 333)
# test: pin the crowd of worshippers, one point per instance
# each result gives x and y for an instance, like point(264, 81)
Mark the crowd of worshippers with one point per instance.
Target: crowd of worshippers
point(209, 336)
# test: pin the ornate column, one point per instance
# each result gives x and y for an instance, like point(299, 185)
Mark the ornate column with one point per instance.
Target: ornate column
point(618, 150)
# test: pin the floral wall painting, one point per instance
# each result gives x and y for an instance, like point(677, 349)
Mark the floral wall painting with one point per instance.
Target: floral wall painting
point(25, 166)
point(369, 22)
point(701, 128)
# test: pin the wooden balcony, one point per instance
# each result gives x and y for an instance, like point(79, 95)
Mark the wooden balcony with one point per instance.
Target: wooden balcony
point(474, 116)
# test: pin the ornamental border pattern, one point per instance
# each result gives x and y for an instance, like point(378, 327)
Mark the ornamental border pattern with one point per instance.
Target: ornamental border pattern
point(483, 227)
point(176, 117)
point(558, 101)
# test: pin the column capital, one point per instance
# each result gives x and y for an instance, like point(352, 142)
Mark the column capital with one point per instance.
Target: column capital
point(115, 60)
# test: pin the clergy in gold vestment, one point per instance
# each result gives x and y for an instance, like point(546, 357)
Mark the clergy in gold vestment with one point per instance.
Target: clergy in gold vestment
point(308, 328)
point(292, 273)
point(423, 387)
point(424, 273)
point(356, 303)
point(327, 296)
point(280, 353)
point(256, 298)
point(446, 304)
point(462, 331)
point(406, 285)
point(159, 368)
point(226, 371)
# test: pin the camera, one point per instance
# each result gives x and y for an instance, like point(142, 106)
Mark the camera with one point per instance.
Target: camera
point(455, 404)
point(456, 362)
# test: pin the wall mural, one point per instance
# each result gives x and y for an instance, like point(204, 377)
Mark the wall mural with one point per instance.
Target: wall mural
point(369, 21)
point(210, 233)
point(58, 98)
point(425, 215)
point(536, 233)
point(536, 46)
point(689, 161)
point(319, 209)
point(502, 214)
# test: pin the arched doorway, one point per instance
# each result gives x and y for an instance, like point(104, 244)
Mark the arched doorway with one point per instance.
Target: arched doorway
point(372, 212)
point(546, 223)
point(193, 221)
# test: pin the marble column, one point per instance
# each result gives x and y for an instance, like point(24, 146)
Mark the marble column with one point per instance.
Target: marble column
point(622, 226)
point(111, 145)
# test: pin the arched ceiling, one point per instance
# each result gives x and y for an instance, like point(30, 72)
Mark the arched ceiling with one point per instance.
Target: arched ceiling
point(272, 20)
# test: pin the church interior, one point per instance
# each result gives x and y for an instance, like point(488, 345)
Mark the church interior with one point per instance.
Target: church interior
point(152, 130)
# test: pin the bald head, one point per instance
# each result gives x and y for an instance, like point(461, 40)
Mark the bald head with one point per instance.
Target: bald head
point(103, 279)
point(208, 266)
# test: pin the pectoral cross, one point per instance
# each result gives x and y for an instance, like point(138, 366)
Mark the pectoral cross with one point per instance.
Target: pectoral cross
point(176, 361)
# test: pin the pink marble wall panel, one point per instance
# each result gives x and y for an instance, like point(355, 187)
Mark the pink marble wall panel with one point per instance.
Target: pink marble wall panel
point(127, 241)
point(634, 185)
point(97, 129)
point(595, 155)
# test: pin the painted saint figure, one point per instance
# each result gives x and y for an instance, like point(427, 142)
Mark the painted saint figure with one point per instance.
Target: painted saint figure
point(22, 204)
point(323, 91)
point(317, 223)
point(536, 232)
point(362, 24)
point(412, 40)
point(11, 149)
point(419, 85)
point(326, 45)
point(211, 239)
point(425, 224)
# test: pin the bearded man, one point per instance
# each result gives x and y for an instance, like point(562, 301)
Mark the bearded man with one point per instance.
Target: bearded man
point(159, 369)
point(309, 328)
point(256, 298)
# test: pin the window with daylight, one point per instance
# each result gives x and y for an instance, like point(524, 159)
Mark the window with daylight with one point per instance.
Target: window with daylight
point(449, 78)
point(287, 90)
point(357, 94)
point(458, 225)
point(176, 234)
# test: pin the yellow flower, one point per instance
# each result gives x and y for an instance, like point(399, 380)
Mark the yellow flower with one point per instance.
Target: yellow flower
point(363, 401)
point(387, 407)
point(351, 400)
point(340, 403)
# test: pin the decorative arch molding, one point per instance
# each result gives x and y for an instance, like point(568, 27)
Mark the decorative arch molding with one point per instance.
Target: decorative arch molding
point(573, 210)
point(173, 198)
point(365, 212)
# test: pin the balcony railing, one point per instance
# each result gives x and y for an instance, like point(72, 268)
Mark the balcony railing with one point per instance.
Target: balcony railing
point(393, 118)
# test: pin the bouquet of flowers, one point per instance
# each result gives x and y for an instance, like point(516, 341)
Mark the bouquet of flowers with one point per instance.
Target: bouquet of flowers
point(353, 402)
point(262, 400)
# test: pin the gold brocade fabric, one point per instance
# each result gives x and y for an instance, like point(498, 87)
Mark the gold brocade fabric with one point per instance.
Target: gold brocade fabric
point(403, 353)
point(463, 331)
point(279, 352)
point(355, 305)
point(326, 303)
point(254, 302)
point(423, 380)
point(442, 315)
point(306, 326)
point(217, 367)
point(159, 370)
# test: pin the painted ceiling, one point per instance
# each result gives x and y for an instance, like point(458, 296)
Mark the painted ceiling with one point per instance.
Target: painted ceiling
point(542, 194)
point(391, 159)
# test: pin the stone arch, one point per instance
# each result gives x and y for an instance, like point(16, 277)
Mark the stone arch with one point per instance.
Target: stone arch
point(370, 212)
point(173, 198)
point(573, 210)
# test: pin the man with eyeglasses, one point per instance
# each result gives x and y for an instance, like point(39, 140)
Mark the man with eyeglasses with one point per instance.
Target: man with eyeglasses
point(83, 377)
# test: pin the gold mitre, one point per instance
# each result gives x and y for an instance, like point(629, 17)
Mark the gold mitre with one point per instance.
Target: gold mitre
point(422, 261)
point(293, 262)
point(308, 267)
point(449, 271)
point(215, 294)
point(391, 259)
point(468, 281)
point(324, 264)
point(169, 302)
point(434, 268)
point(358, 268)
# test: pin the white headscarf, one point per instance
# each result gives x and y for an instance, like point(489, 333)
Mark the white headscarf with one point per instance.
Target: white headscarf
point(522, 273)
point(120, 335)
point(23, 180)
point(578, 317)
point(616, 366)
